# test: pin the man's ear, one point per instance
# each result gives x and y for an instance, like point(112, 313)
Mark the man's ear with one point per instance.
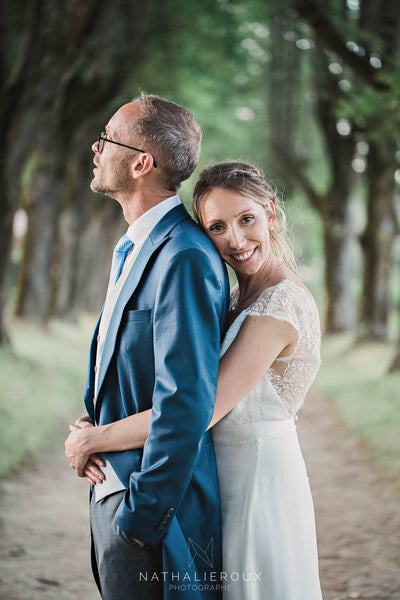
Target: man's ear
point(141, 165)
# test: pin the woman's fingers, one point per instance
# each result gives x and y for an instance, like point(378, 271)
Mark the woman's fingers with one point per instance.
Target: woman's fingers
point(83, 421)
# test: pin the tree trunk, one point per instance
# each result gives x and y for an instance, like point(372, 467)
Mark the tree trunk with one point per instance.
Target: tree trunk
point(74, 221)
point(379, 32)
point(98, 243)
point(14, 83)
point(7, 212)
point(395, 366)
point(377, 243)
point(333, 205)
point(340, 313)
point(284, 97)
point(71, 228)
point(44, 199)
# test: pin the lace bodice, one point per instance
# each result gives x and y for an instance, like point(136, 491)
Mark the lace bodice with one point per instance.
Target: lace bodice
point(281, 391)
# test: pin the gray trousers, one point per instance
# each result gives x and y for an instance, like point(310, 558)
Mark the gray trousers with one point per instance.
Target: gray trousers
point(120, 566)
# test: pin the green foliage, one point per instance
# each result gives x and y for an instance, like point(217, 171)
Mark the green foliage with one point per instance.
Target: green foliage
point(374, 114)
point(196, 57)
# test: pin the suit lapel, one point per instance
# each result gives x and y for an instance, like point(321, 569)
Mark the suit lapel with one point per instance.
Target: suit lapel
point(156, 238)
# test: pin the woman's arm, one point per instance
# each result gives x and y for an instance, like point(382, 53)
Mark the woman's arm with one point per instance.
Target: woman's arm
point(84, 441)
point(259, 342)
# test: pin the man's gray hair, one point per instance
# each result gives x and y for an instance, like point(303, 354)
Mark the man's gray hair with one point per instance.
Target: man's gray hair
point(171, 134)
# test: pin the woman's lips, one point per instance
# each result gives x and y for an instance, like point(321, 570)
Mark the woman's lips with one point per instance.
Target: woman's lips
point(243, 256)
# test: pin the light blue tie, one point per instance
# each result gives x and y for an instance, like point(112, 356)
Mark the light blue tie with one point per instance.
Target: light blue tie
point(121, 251)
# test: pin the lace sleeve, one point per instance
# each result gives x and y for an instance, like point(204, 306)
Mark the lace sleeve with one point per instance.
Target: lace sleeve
point(282, 302)
point(289, 302)
point(281, 392)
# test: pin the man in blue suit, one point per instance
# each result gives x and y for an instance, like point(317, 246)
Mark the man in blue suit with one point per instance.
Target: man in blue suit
point(155, 519)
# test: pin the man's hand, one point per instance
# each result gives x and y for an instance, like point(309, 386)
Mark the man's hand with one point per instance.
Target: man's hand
point(92, 472)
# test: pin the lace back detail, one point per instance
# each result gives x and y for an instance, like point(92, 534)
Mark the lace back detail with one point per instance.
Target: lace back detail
point(280, 393)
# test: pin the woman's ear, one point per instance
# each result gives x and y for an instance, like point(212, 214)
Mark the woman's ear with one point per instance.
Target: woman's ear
point(271, 217)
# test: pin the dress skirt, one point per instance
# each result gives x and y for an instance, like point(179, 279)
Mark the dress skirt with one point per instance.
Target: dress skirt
point(268, 523)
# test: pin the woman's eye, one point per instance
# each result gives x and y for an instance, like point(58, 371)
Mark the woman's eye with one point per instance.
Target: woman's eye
point(248, 219)
point(216, 228)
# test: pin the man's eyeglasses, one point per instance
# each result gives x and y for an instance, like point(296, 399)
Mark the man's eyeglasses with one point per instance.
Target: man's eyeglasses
point(103, 138)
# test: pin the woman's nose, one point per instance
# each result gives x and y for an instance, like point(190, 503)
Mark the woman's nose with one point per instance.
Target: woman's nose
point(236, 238)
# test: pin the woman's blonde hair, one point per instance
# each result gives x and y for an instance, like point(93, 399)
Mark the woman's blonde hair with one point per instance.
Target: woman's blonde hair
point(246, 180)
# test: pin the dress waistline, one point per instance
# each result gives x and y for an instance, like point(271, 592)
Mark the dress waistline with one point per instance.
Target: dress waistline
point(245, 431)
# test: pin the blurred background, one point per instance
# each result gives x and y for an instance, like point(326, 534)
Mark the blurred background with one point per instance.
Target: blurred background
point(308, 90)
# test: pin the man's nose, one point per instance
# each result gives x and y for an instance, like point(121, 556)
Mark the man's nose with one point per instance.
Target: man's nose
point(95, 147)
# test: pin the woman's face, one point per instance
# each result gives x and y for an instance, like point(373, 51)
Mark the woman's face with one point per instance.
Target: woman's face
point(239, 229)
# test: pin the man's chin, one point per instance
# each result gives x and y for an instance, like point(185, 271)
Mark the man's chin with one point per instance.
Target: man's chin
point(96, 188)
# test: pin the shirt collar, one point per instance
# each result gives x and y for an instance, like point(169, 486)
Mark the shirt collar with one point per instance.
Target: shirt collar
point(142, 227)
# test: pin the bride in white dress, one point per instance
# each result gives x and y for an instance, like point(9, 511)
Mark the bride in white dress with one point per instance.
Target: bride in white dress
point(269, 359)
point(268, 526)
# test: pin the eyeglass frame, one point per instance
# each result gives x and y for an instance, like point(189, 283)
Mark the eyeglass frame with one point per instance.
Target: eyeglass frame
point(100, 145)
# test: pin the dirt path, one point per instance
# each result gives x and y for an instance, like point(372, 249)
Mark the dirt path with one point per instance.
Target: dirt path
point(44, 548)
point(357, 510)
point(44, 532)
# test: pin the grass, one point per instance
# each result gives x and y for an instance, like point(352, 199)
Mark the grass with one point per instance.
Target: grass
point(42, 379)
point(356, 379)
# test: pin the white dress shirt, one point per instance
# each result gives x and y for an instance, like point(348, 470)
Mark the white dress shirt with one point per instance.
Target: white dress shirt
point(138, 233)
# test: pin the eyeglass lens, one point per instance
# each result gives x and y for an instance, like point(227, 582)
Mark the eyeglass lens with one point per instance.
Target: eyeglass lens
point(100, 142)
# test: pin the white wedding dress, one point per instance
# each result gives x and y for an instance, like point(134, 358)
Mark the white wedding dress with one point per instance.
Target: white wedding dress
point(268, 525)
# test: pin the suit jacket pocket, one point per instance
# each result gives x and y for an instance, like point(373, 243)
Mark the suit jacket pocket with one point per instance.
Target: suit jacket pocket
point(137, 331)
point(139, 315)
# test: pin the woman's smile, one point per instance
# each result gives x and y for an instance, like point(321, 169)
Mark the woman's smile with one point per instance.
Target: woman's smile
point(244, 256)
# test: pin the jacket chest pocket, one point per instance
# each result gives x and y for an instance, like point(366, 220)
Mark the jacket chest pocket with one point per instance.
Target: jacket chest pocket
point(137, 332)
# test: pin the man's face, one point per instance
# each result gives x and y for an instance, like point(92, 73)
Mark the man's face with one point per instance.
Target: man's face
point(111, 174)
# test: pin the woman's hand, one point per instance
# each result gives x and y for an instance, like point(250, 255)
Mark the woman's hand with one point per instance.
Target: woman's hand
point(85, 440)
point(83, 421)
point(74, 449)
point(77, 450)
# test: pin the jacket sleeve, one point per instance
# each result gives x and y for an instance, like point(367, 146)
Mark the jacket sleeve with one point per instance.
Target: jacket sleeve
point(188, 315)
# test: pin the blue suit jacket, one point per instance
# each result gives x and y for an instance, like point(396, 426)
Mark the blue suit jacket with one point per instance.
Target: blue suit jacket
point(162, 352)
